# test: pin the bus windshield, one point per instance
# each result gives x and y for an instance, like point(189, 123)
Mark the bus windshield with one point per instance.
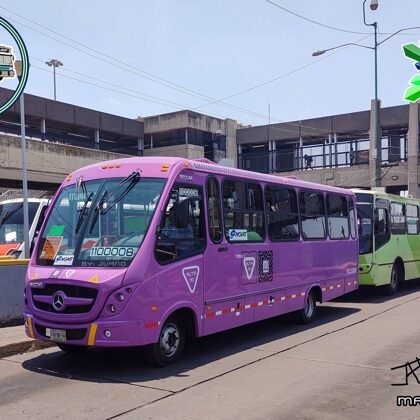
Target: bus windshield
point(99, 223)
point(365, 222)
point(11, 221)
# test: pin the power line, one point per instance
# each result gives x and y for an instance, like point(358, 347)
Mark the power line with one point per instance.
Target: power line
point(315, 22)
point(196, 94)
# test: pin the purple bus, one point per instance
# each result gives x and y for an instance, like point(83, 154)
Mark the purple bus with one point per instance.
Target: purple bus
point(145, 251)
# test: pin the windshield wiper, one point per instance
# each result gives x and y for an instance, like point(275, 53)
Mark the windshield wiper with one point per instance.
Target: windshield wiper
point(131, 180)
point(83, 212)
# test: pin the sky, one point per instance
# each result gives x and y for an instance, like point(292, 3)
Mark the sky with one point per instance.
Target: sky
point(158, 56)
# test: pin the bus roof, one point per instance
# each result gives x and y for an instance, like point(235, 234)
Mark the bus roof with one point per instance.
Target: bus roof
point(166, 167)
point(389, 196)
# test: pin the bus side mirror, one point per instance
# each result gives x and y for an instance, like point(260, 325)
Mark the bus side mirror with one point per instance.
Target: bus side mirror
point(182, 213)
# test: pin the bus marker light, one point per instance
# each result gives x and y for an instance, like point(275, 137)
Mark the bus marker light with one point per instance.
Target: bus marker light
point(104, 166)
point(107, 334)
point(164, 167)
point(118, 165)
point(112, 308)
point(187, 165)
point(154, 308)
point(110, 166)
point(129, 290)
point(120, 297)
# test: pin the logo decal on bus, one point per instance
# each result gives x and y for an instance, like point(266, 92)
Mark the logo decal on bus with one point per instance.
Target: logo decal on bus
point(249, 265)
point(238, 234)
point(190, 275)
point(64, 260)
point(69, 273)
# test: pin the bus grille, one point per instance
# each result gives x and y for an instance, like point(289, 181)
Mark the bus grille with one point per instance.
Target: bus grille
point(43, 298)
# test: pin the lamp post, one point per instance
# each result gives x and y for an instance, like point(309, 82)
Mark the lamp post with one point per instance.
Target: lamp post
point(18, 67)
point(378, 137)
point(54, 63)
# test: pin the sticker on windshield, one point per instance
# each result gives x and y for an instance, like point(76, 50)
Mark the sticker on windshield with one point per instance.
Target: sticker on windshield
point(51, 247)
point(56, 230)
point(113, 251)
point(64, 260)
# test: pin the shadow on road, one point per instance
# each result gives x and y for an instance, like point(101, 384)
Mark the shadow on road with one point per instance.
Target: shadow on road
point(127, 365)
point(371, 294)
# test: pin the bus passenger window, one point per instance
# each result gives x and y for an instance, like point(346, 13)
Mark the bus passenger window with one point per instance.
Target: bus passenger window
point(397, 218)
point(282, 214)
point(181, 232)
point(213, 205)
point(338, 222)
point(412, 219)
point(312, 211)
point(243, 211)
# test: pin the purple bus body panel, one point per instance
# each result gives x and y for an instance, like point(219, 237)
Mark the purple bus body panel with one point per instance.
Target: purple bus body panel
point(225, 286)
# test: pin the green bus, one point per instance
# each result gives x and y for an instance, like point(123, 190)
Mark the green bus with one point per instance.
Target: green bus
point(389, 239)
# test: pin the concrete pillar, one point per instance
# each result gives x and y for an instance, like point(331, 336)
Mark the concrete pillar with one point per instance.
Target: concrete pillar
point(97, 139)
point(335, 150)
point(330, 149)
point(186, 136)
point(43, 129)
point(274, 155)
point(239, 156)
point(230, 133)
point(413, 150)
point(140, 147)
point(151, 141)
point(300, 163)
point(372, 146)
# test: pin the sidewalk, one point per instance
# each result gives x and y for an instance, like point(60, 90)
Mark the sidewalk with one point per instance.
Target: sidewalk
point(13, 340)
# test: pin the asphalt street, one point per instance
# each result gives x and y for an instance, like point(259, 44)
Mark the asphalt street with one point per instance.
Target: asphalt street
point(337, 367)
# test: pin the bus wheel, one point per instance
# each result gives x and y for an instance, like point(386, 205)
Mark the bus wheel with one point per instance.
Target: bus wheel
point(71, 348)
point(308, 312)
point(171, 343)
point(393, 286)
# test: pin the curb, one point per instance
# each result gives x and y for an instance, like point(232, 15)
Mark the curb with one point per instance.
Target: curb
point(23, 347)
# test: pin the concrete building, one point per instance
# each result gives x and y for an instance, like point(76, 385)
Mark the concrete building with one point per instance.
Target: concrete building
point(339, 149)
point(190, 134)
point(63, 137)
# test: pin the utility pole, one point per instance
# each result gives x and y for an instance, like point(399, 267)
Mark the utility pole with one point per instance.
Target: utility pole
point(54, 63)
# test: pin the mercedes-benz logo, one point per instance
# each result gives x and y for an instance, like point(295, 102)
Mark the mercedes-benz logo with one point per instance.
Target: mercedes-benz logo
point(58, 301)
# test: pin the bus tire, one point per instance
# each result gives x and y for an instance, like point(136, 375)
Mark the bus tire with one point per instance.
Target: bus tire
point(71, 348)
point(395, 281)
point(308, 312)
point(170, 345)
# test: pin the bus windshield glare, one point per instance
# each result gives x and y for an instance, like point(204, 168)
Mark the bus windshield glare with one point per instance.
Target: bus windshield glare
point(99, 223)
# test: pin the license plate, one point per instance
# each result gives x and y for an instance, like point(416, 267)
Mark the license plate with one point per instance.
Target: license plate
point(56, 335)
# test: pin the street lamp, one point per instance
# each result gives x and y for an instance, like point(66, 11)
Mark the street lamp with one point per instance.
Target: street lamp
point(378, 138)
point(54, 64)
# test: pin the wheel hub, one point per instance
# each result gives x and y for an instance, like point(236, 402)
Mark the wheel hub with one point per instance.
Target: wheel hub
point(169, 339)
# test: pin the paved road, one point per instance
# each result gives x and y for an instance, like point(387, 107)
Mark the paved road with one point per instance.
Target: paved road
point(337, 367)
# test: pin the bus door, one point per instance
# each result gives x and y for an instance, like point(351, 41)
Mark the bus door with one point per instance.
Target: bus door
point(224, 300)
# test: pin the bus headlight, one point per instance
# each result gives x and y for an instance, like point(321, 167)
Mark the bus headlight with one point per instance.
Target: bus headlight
point(118, 300)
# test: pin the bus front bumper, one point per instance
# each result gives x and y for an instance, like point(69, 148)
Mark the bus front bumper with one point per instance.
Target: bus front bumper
point(100, 333)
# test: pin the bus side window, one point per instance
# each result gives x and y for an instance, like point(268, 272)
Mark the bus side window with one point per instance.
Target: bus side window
point(382, 234)
point(352, 218)
point(243, 209)
point(398, 219)
point(412, 219)
point(214, 215)
point(312, 214)
point(176, 240)
point(282, 213)
point(338, 223)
